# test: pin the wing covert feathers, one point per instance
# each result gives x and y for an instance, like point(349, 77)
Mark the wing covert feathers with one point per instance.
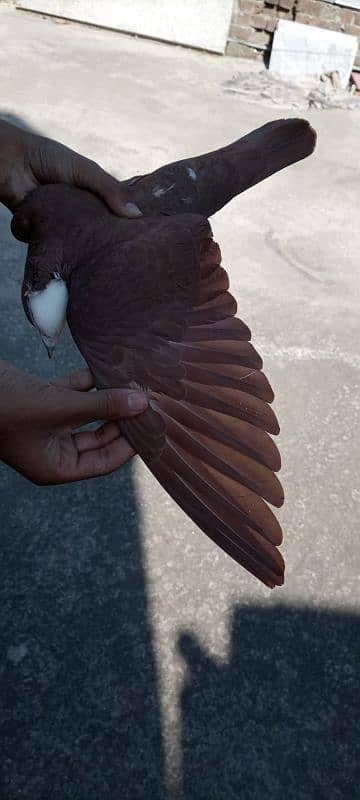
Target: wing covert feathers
point(208, 443)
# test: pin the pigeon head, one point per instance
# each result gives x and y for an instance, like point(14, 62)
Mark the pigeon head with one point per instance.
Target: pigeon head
point(54, 224)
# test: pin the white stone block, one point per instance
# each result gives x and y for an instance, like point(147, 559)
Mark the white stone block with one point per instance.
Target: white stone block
point(347, 3)
point(197, 23)
point(306, 50)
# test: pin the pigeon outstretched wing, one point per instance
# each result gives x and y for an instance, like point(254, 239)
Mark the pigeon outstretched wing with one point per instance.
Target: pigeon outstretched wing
point(204, 184)
point(149, 306)
point(157, 314)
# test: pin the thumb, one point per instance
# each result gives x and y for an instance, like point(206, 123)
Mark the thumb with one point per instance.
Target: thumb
point(88, 175)
point(82, 408)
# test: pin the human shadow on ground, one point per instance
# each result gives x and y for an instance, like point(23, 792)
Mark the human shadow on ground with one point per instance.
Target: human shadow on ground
point(280, 719)
point(80, 715)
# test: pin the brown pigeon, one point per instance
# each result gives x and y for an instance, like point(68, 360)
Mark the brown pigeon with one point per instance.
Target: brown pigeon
point(148, 305)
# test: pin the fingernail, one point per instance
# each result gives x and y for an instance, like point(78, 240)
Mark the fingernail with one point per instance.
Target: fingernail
point(137, 401)
point(132, 210)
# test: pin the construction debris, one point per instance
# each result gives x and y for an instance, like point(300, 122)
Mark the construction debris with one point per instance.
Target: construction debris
point(300, 93)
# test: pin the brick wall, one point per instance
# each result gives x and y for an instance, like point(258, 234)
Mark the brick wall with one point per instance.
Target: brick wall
point(253, 22)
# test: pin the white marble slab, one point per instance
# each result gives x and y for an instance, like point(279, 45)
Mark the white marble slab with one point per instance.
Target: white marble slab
point(346, 3)
point(306, 50)
point(197, 23)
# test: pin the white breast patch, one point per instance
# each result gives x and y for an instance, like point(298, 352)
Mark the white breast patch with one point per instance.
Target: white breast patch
point(48, 307)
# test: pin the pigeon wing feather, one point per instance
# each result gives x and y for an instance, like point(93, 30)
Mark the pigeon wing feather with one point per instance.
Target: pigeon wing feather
point(158, 314)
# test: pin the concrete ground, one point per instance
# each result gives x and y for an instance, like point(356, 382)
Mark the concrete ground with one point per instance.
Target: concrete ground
point(137, 660)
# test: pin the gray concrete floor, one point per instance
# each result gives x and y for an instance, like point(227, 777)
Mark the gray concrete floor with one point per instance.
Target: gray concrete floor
point(138, 661)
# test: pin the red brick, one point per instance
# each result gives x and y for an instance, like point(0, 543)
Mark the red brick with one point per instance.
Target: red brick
point(237, 50)
point(355, 76)
point(262, 22)
point(241, 32)
point(271, 11)
point(271, 24)
point(247, 5)
point(354, 30)
point(347, 16)
point(259, 22)
point(257, 38)
point(260, 38)
point(242, 19)
point(305, 19)
point(319, 23)
point(309, 7)
point(286, 5)
point(330, 12)
point(238, 15)
point(325, 23)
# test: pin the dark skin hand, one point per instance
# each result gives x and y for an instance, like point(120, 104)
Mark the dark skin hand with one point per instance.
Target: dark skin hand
point(39, 421)
point(39, 424)
point(28, 161)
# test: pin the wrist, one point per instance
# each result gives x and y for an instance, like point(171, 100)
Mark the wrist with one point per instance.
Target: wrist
point(17, 391)
point(14, 179)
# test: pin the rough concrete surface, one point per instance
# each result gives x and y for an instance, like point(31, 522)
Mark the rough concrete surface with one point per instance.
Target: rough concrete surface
point(137, 660)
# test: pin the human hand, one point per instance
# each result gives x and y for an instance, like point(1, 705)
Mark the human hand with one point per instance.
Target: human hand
point(39, 424)
point(28, 161)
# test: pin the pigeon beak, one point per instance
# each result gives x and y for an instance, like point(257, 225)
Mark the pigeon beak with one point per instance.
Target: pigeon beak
point(49, 343)
point(50, 350)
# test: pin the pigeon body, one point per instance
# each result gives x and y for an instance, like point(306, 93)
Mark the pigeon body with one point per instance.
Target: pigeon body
point(149, 306)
